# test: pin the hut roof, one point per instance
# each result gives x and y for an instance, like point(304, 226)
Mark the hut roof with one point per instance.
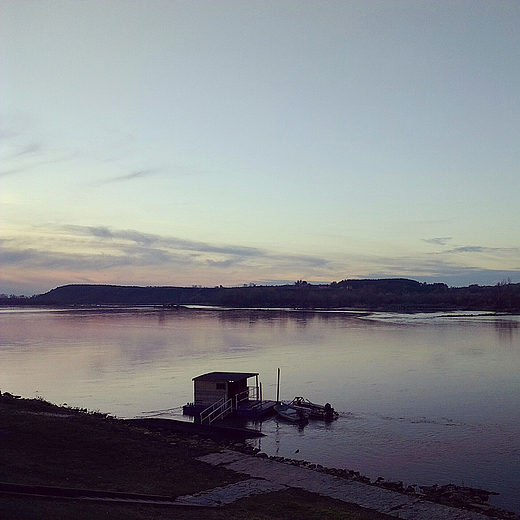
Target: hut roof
point(225, 376)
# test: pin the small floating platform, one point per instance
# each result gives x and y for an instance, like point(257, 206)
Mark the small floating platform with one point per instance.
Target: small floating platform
point(246, 409)
point(219, 394)
point(205, 430)
point(255, 409)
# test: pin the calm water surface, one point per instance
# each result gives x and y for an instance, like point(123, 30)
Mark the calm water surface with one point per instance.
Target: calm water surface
point(424, 398)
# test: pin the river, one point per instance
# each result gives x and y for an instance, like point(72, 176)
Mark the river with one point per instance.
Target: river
point(423, 398)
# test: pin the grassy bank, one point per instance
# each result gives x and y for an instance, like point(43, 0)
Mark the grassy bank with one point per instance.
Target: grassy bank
point(47, 445)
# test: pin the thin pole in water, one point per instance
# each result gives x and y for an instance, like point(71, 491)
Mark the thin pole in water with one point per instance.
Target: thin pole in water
point(278, 388)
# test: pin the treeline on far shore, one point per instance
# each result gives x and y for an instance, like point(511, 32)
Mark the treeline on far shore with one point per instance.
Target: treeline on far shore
point(393, 294)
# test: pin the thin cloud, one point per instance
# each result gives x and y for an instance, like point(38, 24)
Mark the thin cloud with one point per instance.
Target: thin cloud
point(105, 255)
point(134, 175)
point(469, 249)
point(303, 260)
point(438, 241)
point(77, 261)
point(101, 232)
point(165, 241)
point(483, 249)
point(147, 172)
point(29, 149)
point(99, 248)
point(16, 256)
point(224, 264)
point(13, 171)
point(437, 268)
point(205, 247)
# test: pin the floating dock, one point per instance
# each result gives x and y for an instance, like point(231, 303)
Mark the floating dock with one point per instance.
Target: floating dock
point(205, 430)
point(255, 409)
point(221, 394)
point(249, 410)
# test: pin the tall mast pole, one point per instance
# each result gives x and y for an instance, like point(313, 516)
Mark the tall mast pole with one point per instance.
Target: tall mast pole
point(278, 388)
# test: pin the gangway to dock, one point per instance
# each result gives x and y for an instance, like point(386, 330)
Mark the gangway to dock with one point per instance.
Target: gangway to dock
point(215, 411)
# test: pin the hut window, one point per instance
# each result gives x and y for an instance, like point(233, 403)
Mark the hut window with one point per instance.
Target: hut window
point(221, 386)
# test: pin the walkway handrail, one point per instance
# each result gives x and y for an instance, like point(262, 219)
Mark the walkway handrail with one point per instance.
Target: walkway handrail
point(254, 392)
point(242, 396)
point(216, 410)
point(250, 393)
point(205, 413)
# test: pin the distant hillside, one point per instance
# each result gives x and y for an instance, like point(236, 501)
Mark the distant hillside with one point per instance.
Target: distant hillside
point(394, 294)
point(125, 295)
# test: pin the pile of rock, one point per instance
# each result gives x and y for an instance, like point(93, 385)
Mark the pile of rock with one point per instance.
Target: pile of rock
point(450, 494)
point(465, 497)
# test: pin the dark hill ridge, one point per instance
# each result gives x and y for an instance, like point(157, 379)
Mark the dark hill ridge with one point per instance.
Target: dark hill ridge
point(124, 295)
point(393, 294)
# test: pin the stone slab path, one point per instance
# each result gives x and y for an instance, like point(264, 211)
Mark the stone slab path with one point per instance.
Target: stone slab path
point(225, 495)
point(269, 475)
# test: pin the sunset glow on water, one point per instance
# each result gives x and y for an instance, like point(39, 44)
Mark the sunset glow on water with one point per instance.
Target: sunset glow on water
point(422, 398)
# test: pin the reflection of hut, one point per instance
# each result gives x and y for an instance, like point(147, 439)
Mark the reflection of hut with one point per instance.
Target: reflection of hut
point(210, 388)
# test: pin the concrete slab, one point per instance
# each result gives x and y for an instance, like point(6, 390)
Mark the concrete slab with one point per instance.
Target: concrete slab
point(281, 475)
point(227, 494)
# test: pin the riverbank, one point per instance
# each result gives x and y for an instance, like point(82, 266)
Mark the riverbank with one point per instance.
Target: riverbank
point(389, 295)
point(61, 448)
point(46, 445)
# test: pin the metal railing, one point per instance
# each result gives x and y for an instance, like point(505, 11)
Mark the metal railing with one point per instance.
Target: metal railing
point(216, 410)
point(241, 397)
point(251, 393)
point(223, 407)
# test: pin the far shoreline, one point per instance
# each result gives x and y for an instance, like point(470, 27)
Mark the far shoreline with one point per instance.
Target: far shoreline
point(373, 295)
point(360, 311)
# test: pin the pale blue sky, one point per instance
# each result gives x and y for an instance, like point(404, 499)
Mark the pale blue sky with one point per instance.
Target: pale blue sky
point(228, 142)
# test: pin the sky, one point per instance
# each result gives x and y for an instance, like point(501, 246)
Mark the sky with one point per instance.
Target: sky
point(232, 142)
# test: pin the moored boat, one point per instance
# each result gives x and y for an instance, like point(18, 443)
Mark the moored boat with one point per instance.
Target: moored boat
point(315, 411)
point(290, 413)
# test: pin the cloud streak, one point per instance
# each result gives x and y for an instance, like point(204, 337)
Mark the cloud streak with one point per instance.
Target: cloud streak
point(102, 248)
point(148, 239)
point(483, 249)
point(101, 254)
point(439, 241)
point(139, 174)
point(26, 150)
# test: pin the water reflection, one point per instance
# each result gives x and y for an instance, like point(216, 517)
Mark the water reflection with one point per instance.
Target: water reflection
point(424, 397)
point(507, 330)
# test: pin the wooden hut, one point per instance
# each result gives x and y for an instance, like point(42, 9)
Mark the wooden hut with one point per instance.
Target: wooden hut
point(210, 388)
